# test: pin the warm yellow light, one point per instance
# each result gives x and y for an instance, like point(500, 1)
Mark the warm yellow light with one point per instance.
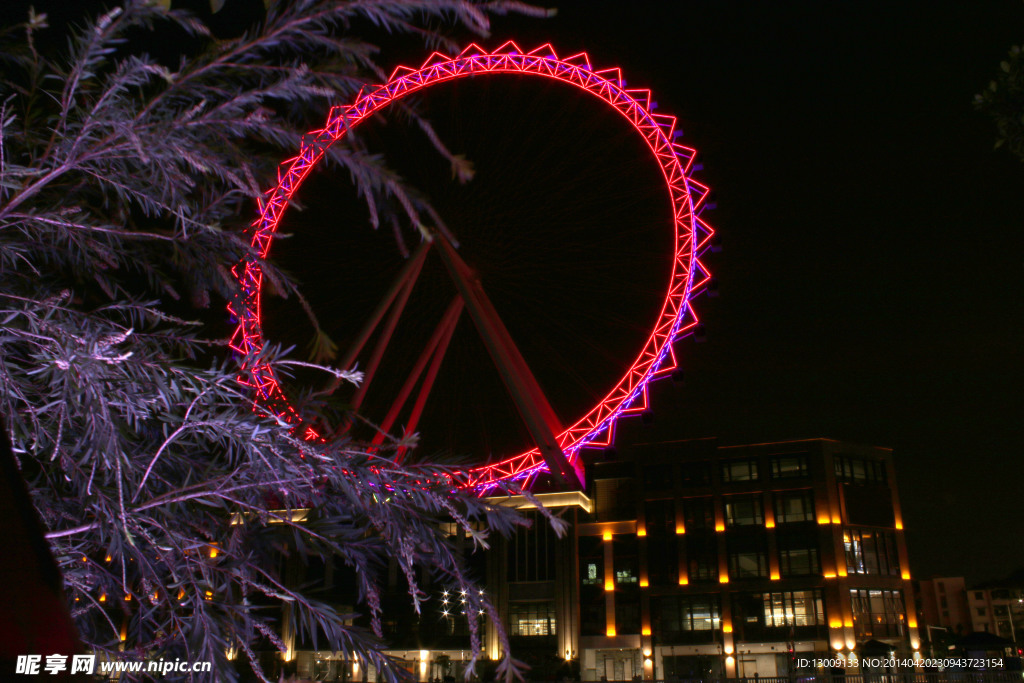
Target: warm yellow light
point(644, 583)
point(842, 571)
point(424, 654)
point(647, 652)
point(836, 645)
point(905, 575)
point(835, 623)
point(128, 597)
point(209, 595)
point(723, 578)
point(646, 631)
point(726, 628)
point(728, 649)
point(848, 623)
point(899, 524)
point(719, 526)
point(213, 553)
point(181, 593)
point(912, 623)
point(109, 558)
point(836, 519)
point(769, 524)
point(824, 520)
point(124, 632)
point(609, 585)
point(775, 576)
point(648, 662)
point(914, 645)
point(830, 575)
point(610, 632)
point(84, 558)
point(680, 529)
point(684, 580)
point(851, 644)
point(641, 531)
point(730, 660)
point(607, 536)
point(103, 598)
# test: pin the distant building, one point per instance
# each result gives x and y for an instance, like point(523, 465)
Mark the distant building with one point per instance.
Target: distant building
point(947, 605)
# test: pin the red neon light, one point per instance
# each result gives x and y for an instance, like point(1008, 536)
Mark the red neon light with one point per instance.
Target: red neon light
point(692, 235)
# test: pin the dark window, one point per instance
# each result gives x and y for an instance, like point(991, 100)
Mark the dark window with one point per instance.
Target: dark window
point(739, 470)
point(696, 474)
point(871, 552)
point(627, 617)
point(877, 613)
point(747, 565)
point(660, 516)
point(663, 562)
point(615, 499)
point(531, 618)
point(702, 558)
point(853, 470)
point(796, 506)
point(658, 477)
point(699, 513)
point(592, 618)
point(743, 510)
point(799, 562)
point(789, 466)
point(531, 555)
point(869, 505)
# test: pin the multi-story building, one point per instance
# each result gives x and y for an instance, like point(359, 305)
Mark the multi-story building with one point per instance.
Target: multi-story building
point(697, 560)
point(946, 604)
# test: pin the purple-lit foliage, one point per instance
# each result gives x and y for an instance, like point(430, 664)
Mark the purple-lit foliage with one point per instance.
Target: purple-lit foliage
point(124, 182)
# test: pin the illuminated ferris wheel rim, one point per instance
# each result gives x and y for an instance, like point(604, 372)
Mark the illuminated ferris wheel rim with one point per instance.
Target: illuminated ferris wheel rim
point(692, 235)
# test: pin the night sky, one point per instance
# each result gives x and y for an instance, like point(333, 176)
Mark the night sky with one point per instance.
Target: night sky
point(873, 245)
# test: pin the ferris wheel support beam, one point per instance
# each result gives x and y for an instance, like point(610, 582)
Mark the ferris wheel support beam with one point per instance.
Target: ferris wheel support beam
point(436, 347)
point(408, 273)
point(537, 413)
point(408, 280)
point(449, 324)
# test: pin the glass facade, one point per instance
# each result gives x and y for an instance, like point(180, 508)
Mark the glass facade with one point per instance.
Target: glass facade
point(877, 613)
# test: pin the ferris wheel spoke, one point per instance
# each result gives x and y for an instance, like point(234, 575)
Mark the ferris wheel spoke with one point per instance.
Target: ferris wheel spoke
point(435, 365)
point(435, 348)
point(533, 406)
point(408, 280)
point(407, 275)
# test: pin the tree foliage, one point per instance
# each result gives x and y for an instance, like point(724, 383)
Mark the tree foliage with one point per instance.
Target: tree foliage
point(123, 178)
point(1003, 100)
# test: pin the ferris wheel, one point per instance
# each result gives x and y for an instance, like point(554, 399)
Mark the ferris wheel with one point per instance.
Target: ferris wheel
point(557, 448)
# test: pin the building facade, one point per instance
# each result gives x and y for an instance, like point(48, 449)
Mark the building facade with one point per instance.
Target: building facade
point(690, 559)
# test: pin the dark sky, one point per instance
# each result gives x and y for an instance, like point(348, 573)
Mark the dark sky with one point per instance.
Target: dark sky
point(873, 241)
point(874, 250)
